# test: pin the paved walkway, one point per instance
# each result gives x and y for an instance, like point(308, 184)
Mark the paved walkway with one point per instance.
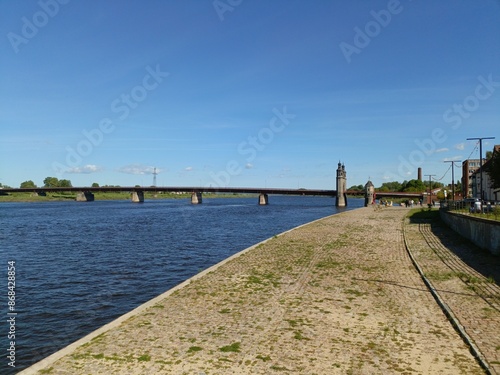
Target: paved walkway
point(464, 277)
point(338, 296)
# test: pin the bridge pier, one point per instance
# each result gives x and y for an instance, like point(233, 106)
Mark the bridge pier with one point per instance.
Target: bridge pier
point(84, 196)
point(137, 196)
point(263, 199)
point(196, 198)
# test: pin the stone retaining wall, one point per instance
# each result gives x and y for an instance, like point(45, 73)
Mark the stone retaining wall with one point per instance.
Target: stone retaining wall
point(482, 232)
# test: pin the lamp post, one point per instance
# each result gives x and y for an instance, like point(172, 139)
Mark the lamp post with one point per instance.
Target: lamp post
point(480, 161)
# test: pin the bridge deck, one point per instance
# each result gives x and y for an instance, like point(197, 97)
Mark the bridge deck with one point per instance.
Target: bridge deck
point(242, 190)
point(198, 189)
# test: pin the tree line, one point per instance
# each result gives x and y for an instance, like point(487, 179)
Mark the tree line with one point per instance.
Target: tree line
point(51, 182)
point(411, 186)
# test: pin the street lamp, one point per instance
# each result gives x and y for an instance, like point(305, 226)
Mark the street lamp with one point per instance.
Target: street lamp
point(480, 161)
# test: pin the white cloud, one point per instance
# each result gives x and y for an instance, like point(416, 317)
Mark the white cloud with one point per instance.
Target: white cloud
point(138, 169)
point(89, 168)
point(444, 149)
point(460, 146)
point(188, 169)
point(248, 166)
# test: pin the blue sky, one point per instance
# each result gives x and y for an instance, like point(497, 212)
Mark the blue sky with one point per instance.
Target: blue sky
point(245, 93)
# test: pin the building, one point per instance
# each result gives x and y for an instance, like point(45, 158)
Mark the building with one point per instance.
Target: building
point(488, 193)
point(469, 167)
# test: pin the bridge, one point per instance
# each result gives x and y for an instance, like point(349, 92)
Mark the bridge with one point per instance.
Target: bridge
point(137, 192)
point(86, 194)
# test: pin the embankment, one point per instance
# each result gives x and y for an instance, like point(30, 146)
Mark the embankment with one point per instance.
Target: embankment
point(339, 295)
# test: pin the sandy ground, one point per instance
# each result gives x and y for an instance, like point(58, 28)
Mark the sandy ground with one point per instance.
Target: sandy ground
point(338, 296)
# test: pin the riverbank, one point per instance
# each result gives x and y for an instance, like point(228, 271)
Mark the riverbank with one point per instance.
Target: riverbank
point(339, 295)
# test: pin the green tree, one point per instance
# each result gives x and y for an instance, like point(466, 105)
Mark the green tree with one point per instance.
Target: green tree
point(390, 186)
point(27, 184)
point(413, 186)
point(55, 182)
point(440, 194)
point(357, 187)
point(51, 182)
point(95, 184)
point(493, 170)
point(434, 184)
point(65, 183)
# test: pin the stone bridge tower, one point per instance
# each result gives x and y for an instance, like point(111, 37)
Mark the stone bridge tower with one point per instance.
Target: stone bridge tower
point(341, 186)
point(369, 193)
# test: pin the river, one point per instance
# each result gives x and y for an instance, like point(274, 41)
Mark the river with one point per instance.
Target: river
point(80, 265)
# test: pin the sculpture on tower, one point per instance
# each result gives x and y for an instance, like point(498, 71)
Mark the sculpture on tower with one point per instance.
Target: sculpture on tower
point(341, 186)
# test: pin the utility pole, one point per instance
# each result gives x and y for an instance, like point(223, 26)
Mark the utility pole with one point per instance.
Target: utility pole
point(452, 176)
point(154, 177)
point(480, 161)
point(430, 191)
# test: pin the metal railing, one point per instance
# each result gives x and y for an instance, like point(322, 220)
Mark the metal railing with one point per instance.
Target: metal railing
point(472, 207)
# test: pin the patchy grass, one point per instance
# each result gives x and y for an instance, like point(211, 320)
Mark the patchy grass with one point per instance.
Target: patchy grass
point(354, 292)
point(440, 276)
point(299, 336)
point(419, 215)
point(327, 264)
point(234, 347)
point(144, 358)
point(264, 359)
point(279, 368)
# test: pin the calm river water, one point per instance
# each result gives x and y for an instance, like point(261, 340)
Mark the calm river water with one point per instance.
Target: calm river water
point(81, 265)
